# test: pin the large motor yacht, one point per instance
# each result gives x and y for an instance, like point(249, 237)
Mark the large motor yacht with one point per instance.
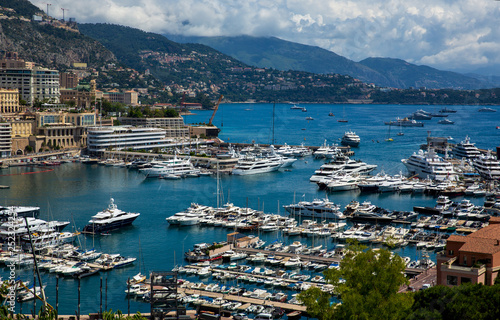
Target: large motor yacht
point(427, 164)
point(262, 163)
point(109, 219)
point(171, 167)
point(350, 139)
point(465, 149)
point(318, 208)
point(488, 166)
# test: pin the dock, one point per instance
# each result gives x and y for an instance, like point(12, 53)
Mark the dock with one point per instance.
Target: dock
point(247, 301)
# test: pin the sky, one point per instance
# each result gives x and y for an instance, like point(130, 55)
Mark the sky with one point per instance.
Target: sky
point(457, 35)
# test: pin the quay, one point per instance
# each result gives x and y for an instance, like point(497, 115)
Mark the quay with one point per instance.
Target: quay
point(247, 301)
point(328, 261)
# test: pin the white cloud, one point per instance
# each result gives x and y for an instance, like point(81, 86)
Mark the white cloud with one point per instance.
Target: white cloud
point(441, 33)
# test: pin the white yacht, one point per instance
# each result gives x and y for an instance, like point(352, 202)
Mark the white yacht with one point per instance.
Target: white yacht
point(335, 165)
point(109, 219)
point(345, 183)
point(253, 164)
point(318, 208)
point(427, 164)
point(465, 149)
point(19, 211)
point(350, 139)
point(488, 166)
point(17, 227)
point(174, 166)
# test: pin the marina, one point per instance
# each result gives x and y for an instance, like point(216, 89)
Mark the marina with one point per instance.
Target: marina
point(76, 191)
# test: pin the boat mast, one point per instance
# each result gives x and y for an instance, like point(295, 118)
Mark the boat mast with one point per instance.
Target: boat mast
point(274, 106)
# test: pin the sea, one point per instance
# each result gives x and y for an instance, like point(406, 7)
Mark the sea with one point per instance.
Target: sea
point(74, 191)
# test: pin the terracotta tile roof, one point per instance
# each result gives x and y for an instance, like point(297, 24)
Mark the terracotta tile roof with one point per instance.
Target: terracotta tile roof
point(489, 232)
point(494, 220)
point(485, 240)
point(478, 245)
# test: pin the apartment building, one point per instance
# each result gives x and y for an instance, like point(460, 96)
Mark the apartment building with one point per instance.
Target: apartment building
point(5, 139)
point(33, 83)
point(474, 258)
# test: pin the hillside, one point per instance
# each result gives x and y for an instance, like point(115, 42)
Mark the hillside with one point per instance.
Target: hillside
point(204, 69)
point(49, 43)
point(285, 55)
point(406, 75)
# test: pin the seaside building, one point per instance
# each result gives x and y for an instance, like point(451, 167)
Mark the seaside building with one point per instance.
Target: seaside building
point(5, 139)
point(62, 129)
point(474, 258)
point(174, 127)
point(33, 83)
point(101, 139)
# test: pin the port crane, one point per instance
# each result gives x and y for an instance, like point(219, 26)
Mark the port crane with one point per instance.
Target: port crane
point(215, 110)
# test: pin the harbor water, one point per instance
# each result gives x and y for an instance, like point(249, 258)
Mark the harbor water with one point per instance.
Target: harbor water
point(75, 191)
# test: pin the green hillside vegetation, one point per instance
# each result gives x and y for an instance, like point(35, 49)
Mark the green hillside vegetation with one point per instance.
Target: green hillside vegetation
point(285, 55)
point(407, 75)
point(22, 8)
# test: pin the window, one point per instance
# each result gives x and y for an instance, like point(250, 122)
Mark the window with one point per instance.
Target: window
point(450, 252)
point(451, 280)
point(465, 260)
point(465, 280)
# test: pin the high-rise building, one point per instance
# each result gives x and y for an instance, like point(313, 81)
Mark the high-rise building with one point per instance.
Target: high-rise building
point(34, 83)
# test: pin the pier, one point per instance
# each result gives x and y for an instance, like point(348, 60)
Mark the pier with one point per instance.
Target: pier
point(247, 301)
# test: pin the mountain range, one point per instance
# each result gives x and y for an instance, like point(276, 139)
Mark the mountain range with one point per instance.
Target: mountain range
point(384, 72)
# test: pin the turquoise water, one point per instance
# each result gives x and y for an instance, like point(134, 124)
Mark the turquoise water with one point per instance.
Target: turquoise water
point(75, 192)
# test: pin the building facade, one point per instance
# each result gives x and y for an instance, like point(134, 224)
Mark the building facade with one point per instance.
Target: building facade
point(474, 258)
point(5, 139)
point(9, 101)
point(130, 97)
point(33, 83)
point(101, 139)
point(62, 129)
point(174, 127)
point(82, 94)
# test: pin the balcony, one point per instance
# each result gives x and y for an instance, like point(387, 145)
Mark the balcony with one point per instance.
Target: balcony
point(451, 266)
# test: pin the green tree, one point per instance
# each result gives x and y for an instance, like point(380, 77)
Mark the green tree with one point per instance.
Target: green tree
point(367, 283)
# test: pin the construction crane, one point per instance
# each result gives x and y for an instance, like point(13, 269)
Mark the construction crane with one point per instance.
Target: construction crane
point(215, 110)
point(64, 9)
point(48, 4)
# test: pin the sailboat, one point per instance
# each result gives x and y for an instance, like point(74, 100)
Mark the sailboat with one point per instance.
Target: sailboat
point(343, 115)
point(389, 139)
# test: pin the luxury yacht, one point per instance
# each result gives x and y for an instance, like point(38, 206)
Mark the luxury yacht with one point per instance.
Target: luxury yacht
point(350, 139)
point(488, 166)
point(428, 164)
point(109, 219)
point(171, 167)
point(318, 208)
point(465, 149)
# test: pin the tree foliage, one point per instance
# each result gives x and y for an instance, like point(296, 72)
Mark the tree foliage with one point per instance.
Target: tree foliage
point(461, 302)
point(367, 283)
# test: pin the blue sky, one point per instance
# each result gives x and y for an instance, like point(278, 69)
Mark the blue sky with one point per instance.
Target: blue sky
point(458, 35)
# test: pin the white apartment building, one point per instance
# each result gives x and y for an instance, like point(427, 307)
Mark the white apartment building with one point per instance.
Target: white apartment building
point(100, 139)
point(5, 139)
